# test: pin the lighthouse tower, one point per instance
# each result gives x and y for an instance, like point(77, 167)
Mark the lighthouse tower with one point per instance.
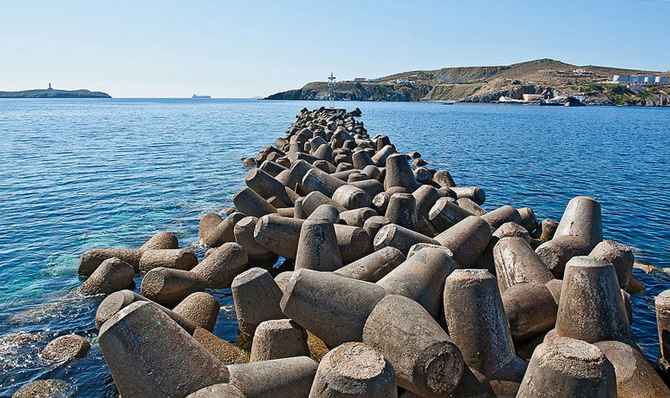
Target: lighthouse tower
point(50, 87)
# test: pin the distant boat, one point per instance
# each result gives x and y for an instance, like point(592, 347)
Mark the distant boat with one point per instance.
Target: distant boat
point(447, 102)
point(200, 96)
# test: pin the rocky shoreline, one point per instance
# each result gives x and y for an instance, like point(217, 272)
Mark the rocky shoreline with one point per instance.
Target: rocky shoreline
point(357, 271)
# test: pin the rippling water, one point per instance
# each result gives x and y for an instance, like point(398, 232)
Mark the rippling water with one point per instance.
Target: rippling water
point(78, 174)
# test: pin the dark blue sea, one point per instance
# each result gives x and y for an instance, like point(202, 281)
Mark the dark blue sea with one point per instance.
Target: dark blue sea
point(77, 174)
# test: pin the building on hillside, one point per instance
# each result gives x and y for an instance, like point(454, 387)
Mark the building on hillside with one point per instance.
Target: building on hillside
point(582, 72)
point(360, 79)
point(640, 80)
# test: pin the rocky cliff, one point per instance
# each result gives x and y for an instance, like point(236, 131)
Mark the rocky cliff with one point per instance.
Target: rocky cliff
point(489, 83)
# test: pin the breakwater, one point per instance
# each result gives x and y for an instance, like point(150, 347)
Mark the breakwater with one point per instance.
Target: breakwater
point(249, 211)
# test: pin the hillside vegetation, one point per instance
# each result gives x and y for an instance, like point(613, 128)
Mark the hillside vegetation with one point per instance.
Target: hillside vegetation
point(489, 83)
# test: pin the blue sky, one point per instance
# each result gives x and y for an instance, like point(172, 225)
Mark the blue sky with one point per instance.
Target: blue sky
point(241, 49)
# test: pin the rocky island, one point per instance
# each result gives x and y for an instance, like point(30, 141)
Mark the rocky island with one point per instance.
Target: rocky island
point(53, 93)
point(546, 77)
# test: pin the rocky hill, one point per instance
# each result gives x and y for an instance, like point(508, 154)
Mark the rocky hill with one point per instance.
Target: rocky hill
point(52, 93)
point(489, 83)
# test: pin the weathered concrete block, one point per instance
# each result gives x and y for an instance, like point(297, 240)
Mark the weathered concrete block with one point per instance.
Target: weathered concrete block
point(250, 203)
point(357, 217)
point(530, 309)
point(280, 235)
point(111, 275)
point(421, 278)
point(502, 215)
point(516, 262)
point(168, 258)
point(266, 186)
point(423, 356)
point(351, 197)
point(582, 219)
point(475, 194)
point(218, 390)
point(222, 232)
point(169, 286)
point(620, 255)
point(354, 370)
point(528, 219)
point(161, 240)
point(401, 210)
point(200, 309)
point(374, 266)
point(467, 240)
point(571, 368)
point(331, 306)
point(634, 376)
point(317, 248)
point(149, 355)
point(591, 306)
point(92, 258)
point(400, 237)
point(478, 326)
point(445, 214)
point(354, 242)
point(257, 298)
point(224, 264)
point(399, 173)
point(278, 378)
point(281, 338)
point(556, 253)
point(326, 212)
point(116, 301)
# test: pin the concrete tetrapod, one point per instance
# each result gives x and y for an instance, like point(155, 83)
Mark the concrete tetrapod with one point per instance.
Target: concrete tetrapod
point(570, 368)
point(620, 255)
point(113, 274)
point(374, 266)
point(279, 234)
point(256, 296)
point(516, 262)
point(399, 173)
point(351, 197)
point(218, 391)
point(634, 375)
point(501, 215)
point(591, 306)
point(117, 301)
point(582, 219)
point(200, 309)
point(354, 242)
point(332, 307)
point(354, 370)
point(222, 232)
point(556, 253)
point(325, 212)
point(445, 214)
point(530, 309)
point(168, 258)
point(467, 240)
point(244, 236)
point(149, 355)
point(266, 185)
point(478, 326)
point(475, 194)
point(421, 278)
point(317, 247)
point(662, 305)
point(247, 201)
point(280, 338)
point(277, 378)
point(161, 240)
point(169, 286)
point(224, 264)
point(400, 237)
point(423, 356)
point(401, 210)
point(91, 259)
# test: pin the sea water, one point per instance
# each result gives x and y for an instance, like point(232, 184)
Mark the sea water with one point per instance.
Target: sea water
point(84, 173)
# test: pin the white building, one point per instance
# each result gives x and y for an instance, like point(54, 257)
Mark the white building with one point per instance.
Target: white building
point(629, 79)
